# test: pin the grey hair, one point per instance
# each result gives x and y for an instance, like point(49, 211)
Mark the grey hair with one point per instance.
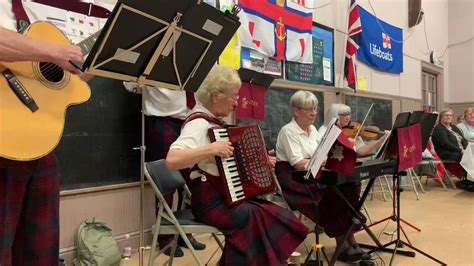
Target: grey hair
point(469, 109)
point(335, 110)
point(303, 99)
point(221, 79)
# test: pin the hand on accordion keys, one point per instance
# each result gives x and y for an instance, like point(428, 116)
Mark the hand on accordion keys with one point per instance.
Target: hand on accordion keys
point(222, 149)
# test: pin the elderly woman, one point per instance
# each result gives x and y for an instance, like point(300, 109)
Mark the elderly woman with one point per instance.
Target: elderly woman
point(467, 126)
point(296, 143)
point(337, 216)
point(256, 231)
point(449, 142)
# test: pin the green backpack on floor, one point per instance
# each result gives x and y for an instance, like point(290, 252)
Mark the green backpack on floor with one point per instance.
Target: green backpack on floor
point(96, 245)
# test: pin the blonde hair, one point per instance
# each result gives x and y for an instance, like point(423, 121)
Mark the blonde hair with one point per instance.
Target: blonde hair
point(443, 112)
point(221, 79)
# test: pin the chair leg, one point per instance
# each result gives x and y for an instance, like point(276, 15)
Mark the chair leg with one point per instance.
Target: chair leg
point(448, 176)
point(369, 217)
point(388, 186)
point(410, 176)
point(173, 250)
point(151, 256)
point(418, 180)
point(382, 189)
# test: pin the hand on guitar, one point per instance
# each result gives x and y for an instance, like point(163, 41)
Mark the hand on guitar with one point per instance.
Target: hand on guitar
point(62, 54)
point(222, 149)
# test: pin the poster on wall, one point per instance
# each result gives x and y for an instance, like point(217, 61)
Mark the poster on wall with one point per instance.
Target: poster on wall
point(321, 71)
point(308, 73)
point(259, 62)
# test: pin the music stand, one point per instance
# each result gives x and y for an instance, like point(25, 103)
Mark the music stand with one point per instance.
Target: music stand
point(160, 43)
point(427, 123)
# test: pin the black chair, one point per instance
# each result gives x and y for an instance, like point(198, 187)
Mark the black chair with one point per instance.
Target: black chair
point(180, 222)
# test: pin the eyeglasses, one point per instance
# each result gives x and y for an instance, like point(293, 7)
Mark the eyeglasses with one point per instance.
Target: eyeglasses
point(234, 96)
point(309, 110)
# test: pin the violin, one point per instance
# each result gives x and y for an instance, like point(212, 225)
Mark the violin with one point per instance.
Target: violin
point(366, 132)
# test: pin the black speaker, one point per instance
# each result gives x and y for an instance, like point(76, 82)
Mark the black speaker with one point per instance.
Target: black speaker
point(415, 13)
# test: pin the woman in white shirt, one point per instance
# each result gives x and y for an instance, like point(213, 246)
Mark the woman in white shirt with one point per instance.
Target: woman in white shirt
point(296, 143)
point(257, 232)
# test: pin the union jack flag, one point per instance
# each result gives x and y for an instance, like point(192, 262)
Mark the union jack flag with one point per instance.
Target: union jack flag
point(354, 32)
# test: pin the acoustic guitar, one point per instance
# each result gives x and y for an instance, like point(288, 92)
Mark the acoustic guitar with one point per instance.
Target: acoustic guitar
point(34, 97)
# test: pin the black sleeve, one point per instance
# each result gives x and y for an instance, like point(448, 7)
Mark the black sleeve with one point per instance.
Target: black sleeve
point(440, 139)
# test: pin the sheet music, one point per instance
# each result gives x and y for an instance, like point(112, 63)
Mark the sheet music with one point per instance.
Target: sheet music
point(324, 146)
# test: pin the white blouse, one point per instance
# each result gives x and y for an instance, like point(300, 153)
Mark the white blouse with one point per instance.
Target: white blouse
point(194, 135)
point(294, 144)
point(162, 102)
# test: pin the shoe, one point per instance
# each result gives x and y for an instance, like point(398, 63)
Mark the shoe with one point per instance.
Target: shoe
point(196, 245)
point(346, 257)
point(178, 253)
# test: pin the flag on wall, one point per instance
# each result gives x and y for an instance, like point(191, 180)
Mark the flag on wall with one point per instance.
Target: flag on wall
point(381, 46)
point(354, 30)
point(277, 28)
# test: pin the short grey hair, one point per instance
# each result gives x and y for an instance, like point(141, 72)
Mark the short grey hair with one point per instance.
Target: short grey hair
point(302, 99)
point(469, 109)
point(221, 79)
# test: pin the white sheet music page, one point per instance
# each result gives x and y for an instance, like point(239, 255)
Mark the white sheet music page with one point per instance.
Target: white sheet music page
point(319, 155)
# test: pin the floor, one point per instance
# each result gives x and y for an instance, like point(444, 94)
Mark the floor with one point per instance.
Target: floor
point(446, 220)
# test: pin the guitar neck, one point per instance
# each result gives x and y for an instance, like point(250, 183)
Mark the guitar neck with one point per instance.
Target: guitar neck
point(87, 44)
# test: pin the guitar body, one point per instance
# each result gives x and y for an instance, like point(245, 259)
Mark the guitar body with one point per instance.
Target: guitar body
point(27, 135)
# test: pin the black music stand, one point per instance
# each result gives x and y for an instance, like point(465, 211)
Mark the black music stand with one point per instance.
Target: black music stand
point(427, 124)
point(160, 43)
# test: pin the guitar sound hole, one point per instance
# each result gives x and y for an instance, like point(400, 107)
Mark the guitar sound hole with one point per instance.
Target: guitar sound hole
point(51, 72)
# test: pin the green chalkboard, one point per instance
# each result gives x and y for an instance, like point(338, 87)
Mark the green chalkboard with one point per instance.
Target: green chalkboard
point(278, 113)
point(380, 116)
point(96, 148)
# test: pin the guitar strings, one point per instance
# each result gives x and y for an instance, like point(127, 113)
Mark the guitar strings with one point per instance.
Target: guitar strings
point(51, 71)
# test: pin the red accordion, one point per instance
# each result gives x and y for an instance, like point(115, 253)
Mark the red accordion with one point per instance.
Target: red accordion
point(248, 172)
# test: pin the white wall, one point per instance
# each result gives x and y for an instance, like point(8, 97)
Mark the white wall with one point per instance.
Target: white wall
point(395, 12)
point(461, 56)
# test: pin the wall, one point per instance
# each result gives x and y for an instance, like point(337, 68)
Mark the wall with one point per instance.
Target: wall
point(407, 84)
point(461, 66)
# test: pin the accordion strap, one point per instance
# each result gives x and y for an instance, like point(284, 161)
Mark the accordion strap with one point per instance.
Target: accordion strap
point(207, 117)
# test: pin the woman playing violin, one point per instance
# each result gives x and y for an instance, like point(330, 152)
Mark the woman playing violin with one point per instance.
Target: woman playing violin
point(343, 113)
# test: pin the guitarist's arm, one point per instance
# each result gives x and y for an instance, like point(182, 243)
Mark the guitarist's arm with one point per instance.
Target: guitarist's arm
point(17, 47)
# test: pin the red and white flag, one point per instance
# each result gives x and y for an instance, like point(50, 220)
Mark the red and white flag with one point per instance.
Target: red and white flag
point(354, 32)
point(278, 28)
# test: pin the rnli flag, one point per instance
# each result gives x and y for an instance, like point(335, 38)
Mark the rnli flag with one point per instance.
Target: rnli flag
point(277, 28)
point(381, 44)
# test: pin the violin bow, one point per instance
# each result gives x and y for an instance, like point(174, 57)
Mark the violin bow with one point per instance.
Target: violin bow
point(363, 121)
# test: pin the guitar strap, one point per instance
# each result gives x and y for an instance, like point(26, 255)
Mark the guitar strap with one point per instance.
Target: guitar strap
point(22, 20)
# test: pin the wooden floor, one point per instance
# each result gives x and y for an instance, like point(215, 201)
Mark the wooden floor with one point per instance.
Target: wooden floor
point(446, 220)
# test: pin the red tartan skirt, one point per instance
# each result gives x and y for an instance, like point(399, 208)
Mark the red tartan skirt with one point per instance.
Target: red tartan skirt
point(160, 133)
point(257, 232)
point(301, 197)
point(334, 215)
point(29, 212)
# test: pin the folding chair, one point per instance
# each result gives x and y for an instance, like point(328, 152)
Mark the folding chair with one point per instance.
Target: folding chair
point(181, 222)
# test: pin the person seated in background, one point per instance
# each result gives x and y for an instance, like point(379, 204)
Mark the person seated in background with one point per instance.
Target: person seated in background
point(257, 232)
point(459, 119)
point(467, 126)
point(449, 142)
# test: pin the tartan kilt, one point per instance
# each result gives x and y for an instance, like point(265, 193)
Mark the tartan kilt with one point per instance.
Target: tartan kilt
point(455, 169)
point(334, 215)
point(160, 133)
point(29, 212)
point(257, 232)
point(301, 197)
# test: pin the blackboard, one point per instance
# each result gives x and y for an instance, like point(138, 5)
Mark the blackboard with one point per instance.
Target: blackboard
point(380, 116)
point(278, 113)
point(99, 136)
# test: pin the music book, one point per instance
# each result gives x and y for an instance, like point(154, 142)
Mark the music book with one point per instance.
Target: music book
point(319, 155)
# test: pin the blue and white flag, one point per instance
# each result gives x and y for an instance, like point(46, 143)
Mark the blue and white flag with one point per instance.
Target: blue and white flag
point(381, 44)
